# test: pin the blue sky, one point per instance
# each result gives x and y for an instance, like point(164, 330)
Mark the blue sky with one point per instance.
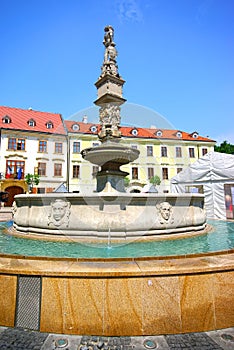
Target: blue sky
point(177, 57)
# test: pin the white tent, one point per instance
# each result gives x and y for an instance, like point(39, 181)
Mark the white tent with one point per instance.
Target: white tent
point(212, 172)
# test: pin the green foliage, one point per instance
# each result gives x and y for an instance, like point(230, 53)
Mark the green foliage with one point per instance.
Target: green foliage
point(225, 147)
point(155, 180)
point(126, 181)
point(32, 179)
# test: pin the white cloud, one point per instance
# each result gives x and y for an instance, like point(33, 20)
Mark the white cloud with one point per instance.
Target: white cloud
point(129, 10)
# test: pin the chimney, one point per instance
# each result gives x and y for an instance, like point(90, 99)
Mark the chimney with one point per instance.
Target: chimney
point(85, 119)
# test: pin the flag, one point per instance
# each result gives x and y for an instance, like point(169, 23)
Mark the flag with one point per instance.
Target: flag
point(19, 173)
point(8, 172)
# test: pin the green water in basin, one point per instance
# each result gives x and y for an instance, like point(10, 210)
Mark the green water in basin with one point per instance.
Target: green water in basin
point(221, 238)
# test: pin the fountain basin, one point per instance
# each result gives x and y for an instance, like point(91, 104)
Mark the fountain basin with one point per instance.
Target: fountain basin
point(121, 216)
point(118, 297)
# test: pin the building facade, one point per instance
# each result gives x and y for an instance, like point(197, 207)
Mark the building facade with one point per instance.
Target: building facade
point(42, 143)
point(32, 142)
point(162, 152)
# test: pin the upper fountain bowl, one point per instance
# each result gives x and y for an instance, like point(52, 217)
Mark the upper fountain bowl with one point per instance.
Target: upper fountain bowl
point(110, 151)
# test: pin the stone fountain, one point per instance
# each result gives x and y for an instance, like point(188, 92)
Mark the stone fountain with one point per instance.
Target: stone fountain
point(113, 296)
point(110, 210)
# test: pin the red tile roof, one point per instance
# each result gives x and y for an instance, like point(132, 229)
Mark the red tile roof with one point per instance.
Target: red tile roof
point(20, 118)
point(147, 133)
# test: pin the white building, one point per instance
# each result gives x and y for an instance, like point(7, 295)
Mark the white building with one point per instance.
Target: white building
point(32, 142)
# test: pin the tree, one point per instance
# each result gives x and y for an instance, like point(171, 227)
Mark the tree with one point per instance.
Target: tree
point(155, 180)
point(31, 180)
point(225, 147)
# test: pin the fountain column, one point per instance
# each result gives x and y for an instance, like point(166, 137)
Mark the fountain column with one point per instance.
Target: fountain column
point(111, 154)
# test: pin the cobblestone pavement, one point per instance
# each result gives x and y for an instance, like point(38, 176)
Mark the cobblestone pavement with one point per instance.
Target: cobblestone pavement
point(22, 339)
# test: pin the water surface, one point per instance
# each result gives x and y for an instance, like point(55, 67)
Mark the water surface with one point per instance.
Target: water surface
point(221, 238)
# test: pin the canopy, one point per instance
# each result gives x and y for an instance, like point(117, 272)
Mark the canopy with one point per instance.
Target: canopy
point(211, 171)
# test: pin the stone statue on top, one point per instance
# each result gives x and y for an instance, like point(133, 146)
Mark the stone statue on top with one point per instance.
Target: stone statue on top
point(109, 64)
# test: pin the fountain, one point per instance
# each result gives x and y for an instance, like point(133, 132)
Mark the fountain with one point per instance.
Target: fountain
point(113, 296)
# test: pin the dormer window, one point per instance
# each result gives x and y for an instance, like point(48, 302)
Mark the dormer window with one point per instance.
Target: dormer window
point(6, 120)
point(179, 134)
point(93, 128)
point(49, 125)
point(159, 133)
point(134, 132)
point(75, 127)
point(31, 122)
point(195, 135)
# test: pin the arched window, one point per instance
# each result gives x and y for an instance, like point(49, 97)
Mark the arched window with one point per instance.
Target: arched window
point(31, 122)
point(49, 125)
point(6, 120)
point(134, 132)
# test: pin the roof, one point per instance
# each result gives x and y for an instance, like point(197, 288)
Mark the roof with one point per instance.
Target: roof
point(127, 131)
point(20, 118)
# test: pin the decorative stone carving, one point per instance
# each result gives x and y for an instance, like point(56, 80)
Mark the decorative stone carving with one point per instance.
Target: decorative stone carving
point(109, 64)
point(14, 209)
point(59, 213)
point(109, 36)
point(110, 115)
point(165, 212)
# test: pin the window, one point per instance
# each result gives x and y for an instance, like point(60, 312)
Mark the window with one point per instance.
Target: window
point(16, 144)
point(178, 152)
point(6, 120)
point(165, 173)
point(204, 151)
point(195, 135)
point(49, 125)
point(42, 169)
point(93, 128)
point(163, 151)
point(134, 132)
point(15, 169)
point(159, 133)
point(135, 173)
point(57, 169)
point(179, 170)
point(76, 147)
point(75, 127)
point(58, 147)
point(95, 171)
point(42, 146)
point(179, 134)
point(76, 171)
point(149, 151)
point(191, 152)
point(150, 172)
point(31, 122)
point(12, 143)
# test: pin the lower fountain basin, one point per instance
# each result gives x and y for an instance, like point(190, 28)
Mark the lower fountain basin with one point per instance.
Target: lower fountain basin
point(119, 216)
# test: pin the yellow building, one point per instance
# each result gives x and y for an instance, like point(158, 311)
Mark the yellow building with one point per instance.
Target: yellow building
point(162, 152)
